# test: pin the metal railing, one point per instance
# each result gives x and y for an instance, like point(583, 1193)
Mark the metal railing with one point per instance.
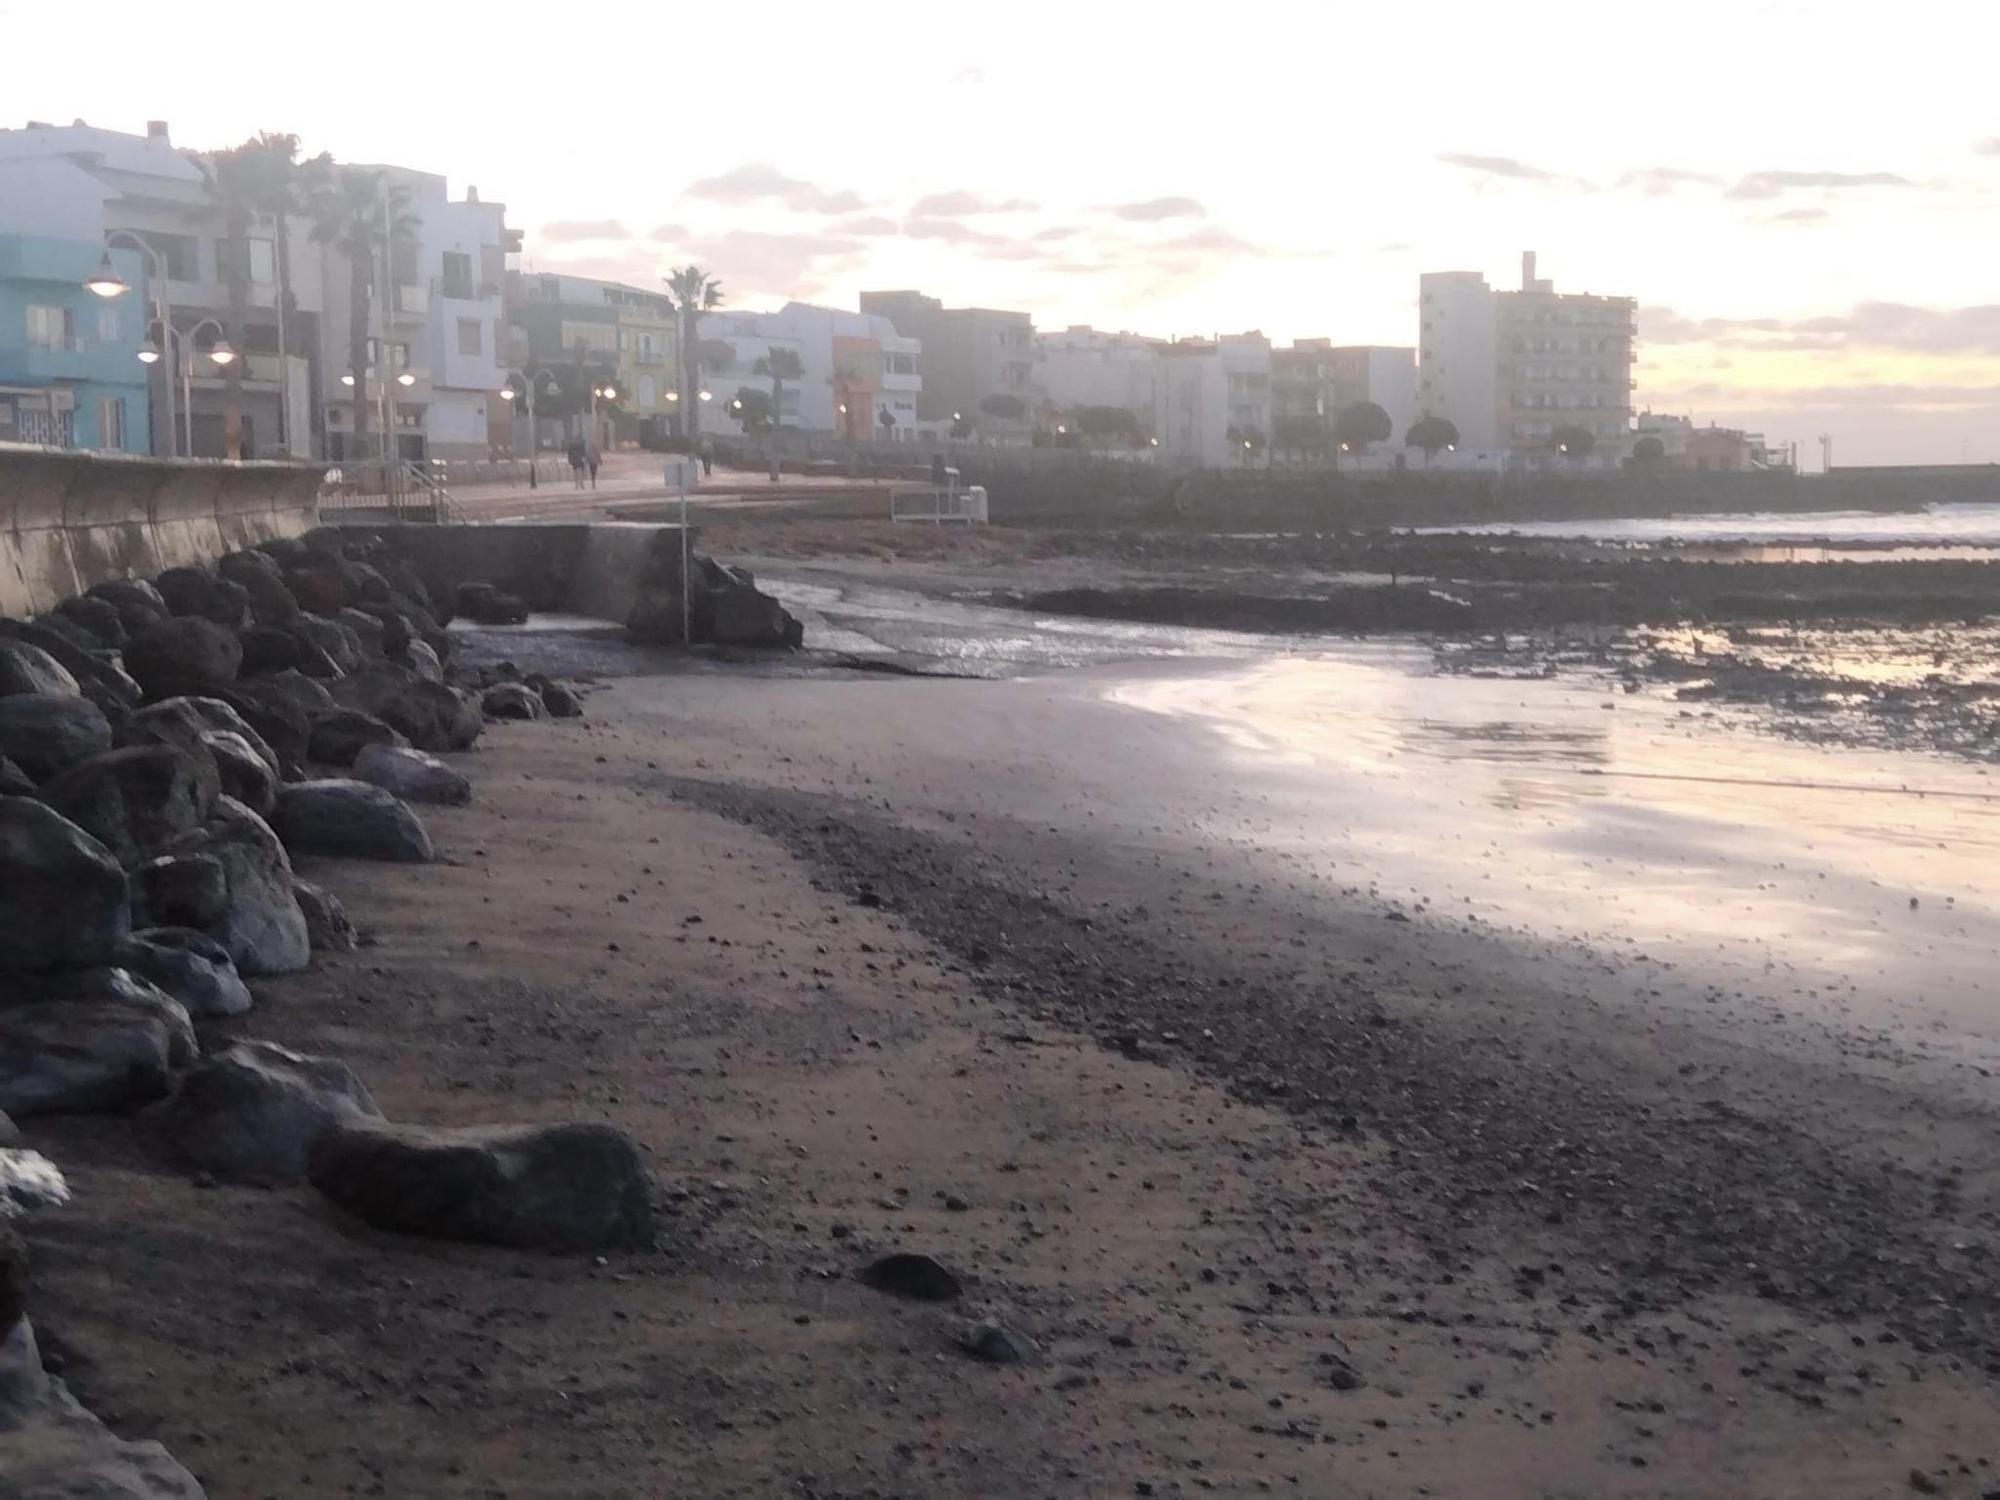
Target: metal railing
point(396, 490)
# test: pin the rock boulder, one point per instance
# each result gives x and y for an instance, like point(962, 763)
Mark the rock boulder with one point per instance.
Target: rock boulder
point(187, 965)
point(254, 1111)
point(138, 800)
point(412, 775)
point(184, 654)
point(341, 734)
point(263, 928)
point(352, 819)
point(327, 924)
point(47, 733)
point(62, 893)
point(26, 668)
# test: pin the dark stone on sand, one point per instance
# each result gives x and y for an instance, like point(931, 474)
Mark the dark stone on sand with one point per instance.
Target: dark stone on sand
point(412, 775)
point(188, 965)
point(185, 654)
point(340, 734)
point(268, 649)
point(254, 1111)
point(263, 583)
point(997, 1344)
point(138, 800)
point(559, 698)
point(351, 819)
point(198, 593)
point(911, 1275)
point(26, 668)
point(263, 928)
point(484, 604)
point(559, 1187)
point(336, 649)
point(512, 700)
point(327, 926)
point(105, 1042)
point(62, 893)
point(429, 715)
point(180, 890)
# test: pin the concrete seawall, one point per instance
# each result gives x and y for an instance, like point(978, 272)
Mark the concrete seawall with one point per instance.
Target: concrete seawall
point(69, 520)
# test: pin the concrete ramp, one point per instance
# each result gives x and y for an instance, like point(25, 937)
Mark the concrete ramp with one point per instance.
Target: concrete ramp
point(70, 519)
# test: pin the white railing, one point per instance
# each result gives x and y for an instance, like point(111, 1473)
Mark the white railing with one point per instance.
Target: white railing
point(938, 504)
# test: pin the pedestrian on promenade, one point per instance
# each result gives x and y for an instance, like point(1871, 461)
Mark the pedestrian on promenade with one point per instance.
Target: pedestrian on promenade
point(706, 448)
point(577, 458)
point(593, 455)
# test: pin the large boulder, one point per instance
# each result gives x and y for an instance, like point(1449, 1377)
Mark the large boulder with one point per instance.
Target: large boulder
point(180, 890)
point(429, 715)
point(247, 774)
point(99, 618)
point(254, 1111)
point(559, 698)
point(29, 669)
point(51, 1448)
point(270, 707)
point(351, 819)
point(138, 603)
point(192, 721)
point(422, 658)
point(102, 681)
point(340, 734)
point(263, 583)
point(15, 782)
point(47, 733)
point(63, 897)
point(560, 1187)
point(335, 642)
point(107, 1042)
point(327, 926)
point(185, 654)
point(512, 700)
point(263, 928)
point(372, 629)
point(412, 775)
point(271, 648)
point(196, 591)
point(190, 966)
point(737, 613)
point(484, 604)
point(138, 800)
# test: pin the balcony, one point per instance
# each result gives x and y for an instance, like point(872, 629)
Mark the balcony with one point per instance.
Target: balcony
point(414, 300)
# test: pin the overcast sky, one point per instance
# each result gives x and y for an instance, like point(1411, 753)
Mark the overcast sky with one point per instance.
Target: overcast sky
point(1804, 197)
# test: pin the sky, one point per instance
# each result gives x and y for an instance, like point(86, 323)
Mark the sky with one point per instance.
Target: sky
point(1803, 197)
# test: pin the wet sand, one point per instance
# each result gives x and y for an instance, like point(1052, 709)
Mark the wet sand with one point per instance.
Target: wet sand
point(1580, 1078)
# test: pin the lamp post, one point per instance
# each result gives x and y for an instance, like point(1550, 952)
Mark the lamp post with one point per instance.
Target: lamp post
point(530, 383)
point(107, 283)
point(178, 348)
point(606, 392)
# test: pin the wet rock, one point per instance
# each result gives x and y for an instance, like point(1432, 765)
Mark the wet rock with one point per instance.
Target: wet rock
point(199, 593)
point(429, 715)
point(512, 700)
point(351, 819)
point(99, 618)
point(62, 893)
point(29, 1182)
point(559, 698)
point(105, 1042)
point(51, 1448)
point(188, 654)
point(101, 680)
point(270, 706)
point(340, 734)
point(1339, 1374)
point(997, 1344)
point(180, 890)
point(327, 926)
point(422, 658)
point(254, 1111)
point(13, 1275)
point(484, 604)
point(47, 733)
point(263, 584)
point(26, 668)
point(340, 647)
point(137, 801)
point(187, 965)
point(15, 782)
point(246, 773)
point(319, 581)
point(190, 721)
point(138, 603)
point(562, 1187)
point(263, 928)
point(412, 775)
point(10, 1133)
point(906, 1274)
point(742, 615)
point(370, 630)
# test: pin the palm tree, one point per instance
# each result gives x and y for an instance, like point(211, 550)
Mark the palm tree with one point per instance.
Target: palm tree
point(261, 181)
point(778, 366)
point(693, 292)
point(361, 216)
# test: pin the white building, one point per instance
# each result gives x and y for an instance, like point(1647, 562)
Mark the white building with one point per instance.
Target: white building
point(435, 361)
point(1081, 366)
point(1510, 368)
point(1212, 401)
point(855, 368)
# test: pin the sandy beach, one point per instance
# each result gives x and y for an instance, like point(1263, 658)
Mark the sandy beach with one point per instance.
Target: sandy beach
point(1341, 1079)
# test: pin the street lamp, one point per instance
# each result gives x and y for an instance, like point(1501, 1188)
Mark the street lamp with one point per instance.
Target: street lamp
point(530, 383)
point(105, 280)
point(107, 283)
point(176, 345)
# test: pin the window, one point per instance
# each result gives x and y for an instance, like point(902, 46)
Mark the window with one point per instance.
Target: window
point(399, 355)
point(180, 255)
point(50, 327)
point(471, 337)
point(107, 325)
point(110, 422)
point(624, 339)
point(264, 262)
point(648, 393)
point(457, 278)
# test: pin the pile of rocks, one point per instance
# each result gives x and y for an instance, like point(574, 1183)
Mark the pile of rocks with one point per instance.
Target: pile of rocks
point(166, 747)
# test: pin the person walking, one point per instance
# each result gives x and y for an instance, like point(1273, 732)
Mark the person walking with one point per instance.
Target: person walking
point(593, 455)
point(705, 446)
point(577, 459)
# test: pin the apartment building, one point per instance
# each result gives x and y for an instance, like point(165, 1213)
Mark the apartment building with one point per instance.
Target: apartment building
point(70, 375)
point(435, 361)
point(1081, 366)
point(974, 359)
point(82, 183)
point(593, 333)
point(1315, 379)
point(1510, 367)
point(855, 366)
point(1212, 401)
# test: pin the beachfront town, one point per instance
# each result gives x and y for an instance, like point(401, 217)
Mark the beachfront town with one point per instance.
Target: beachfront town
point(247, 303)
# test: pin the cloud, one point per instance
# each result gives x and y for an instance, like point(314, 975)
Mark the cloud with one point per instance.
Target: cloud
point(787, 265)
point(959, 203)
point(1153, 210)
point(1856, 394)
point(1797, 216)
point(870, 226)
point(1893, 326)
point(668, 234)
point(760, 181)
point(1497, 166)
point(1056, 232)
point(1758, 185)
point(1988, 147)
point(950, 231)
point(577, 231)
point(1658, 182)
point(1211, 239)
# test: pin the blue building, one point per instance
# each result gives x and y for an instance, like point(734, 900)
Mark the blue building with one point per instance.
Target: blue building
point(70, 373)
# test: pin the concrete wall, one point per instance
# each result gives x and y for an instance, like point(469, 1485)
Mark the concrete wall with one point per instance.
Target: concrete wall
point(69, 520)
point(594, 570)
